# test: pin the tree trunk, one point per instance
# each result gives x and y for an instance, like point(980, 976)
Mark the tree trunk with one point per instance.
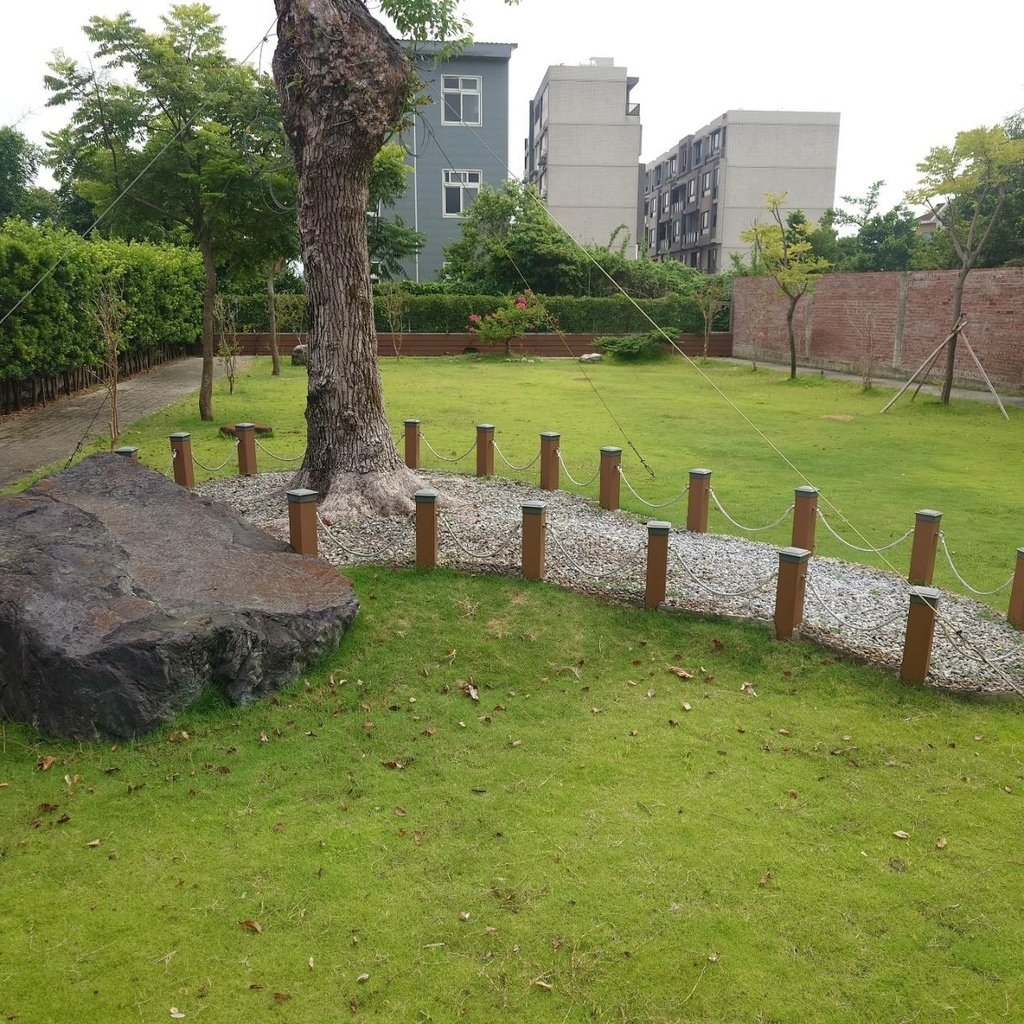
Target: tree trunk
point(275, 355)
point(792, 337)
point(342, 81)
point(958, 305)
point(209, 295)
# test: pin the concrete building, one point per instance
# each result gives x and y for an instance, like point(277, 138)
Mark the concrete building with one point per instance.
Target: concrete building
point(583, 150)
point(457, 143)
point(709, 188)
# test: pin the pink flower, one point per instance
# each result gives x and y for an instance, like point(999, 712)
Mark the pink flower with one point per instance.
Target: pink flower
point(474, 318)
point(521, 302)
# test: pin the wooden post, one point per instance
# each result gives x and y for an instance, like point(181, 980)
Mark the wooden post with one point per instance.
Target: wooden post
point(917, 644)
point(485, 449)
point(1016, 612)
point(611, 460)
point(181, 450)
point(302, 535)
point(805, 518)
point(412, 444)
point(657, 563)
point(789, 591)
point(245, 434)
point(926, 544)
point(697, 500)
point(534, 524)
point(426, 529)
point(549, 442)
point(128, 452)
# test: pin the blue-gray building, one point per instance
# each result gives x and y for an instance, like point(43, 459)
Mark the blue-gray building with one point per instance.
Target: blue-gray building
point(457, 143)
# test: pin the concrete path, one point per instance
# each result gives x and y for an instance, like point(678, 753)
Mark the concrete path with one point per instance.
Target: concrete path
point(40, 437)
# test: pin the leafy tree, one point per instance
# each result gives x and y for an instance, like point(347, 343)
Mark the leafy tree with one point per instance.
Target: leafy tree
point(18, 161)
point(512, 320)
point(966, 187)
point(390, 241)
point(884, 241)
point(784, 249)
point(711, 298)
point(171, 139)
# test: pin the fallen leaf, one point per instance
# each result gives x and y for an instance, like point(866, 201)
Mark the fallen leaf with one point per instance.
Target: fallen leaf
point(898, 864)
point(793, 794)
point(682, 673)
point(47, 763)
point(429, 731)
point(749, 689)
point(463, 915)
point(312, 963)
point(469, 689)
point(72, 780)
point(281, 997)
point(783, 732)
point(93, 844)
point(718, 645)
point(417, 838)
point(63, 819)
point(633, 732)
point(252, 926)
point(400, 812)
point(393, 764)
point(363, 979)
point(765, 879)
point(900, 834)
point(652, 693)
point(264, 738)
point(941, 843)
point(546, 985)
point(5, 785)
point(687, 706)
point(48, 808)
point(176, 1014)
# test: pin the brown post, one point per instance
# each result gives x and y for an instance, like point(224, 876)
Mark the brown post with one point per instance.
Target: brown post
point(426, 529)
point(917, 646)
point(549, 460)
point(1016, 612)
point(128, 452)
point(611, 460)
point(697, 500)
point(657, 563)
point(485, 449)
point(412, 444)
point(926, 543)
point(302, 521)
point(534, 524)
point(181, 450)
point(245, 434)
point(805, 518)
point(789, 591)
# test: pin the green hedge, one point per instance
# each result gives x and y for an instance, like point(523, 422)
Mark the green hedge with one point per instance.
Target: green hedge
point(449, 314)
point(53, 331)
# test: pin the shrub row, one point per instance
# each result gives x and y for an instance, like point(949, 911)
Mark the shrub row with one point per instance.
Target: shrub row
point(54, 330)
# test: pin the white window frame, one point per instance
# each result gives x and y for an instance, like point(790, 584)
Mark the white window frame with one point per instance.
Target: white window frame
point(449, 180)
point(463, 90)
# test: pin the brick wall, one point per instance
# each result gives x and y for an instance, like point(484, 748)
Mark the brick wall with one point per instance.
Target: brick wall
point(542, 345)
point(896, 318)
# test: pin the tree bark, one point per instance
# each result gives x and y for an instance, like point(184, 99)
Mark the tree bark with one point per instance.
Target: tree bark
point(343, 82)
point(958, 305)
point(275, 355)
point(792, 337)
point(209, 295)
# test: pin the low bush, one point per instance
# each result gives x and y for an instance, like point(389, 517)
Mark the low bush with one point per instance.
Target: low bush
point(633, 348)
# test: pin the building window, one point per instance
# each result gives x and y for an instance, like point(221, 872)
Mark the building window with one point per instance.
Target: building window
point(712, 260)
point(461, 96)
point(707, 183)
point(693, 189)
point(673, 166)
point(705, 222)
point(698, 152)
point(460, 189)
point(716, 142)
point(714, 183)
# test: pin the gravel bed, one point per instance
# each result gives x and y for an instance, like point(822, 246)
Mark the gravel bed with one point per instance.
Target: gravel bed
point(853, 609)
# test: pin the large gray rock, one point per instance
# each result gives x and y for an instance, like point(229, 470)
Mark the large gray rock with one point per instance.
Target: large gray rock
point(300, 355)
point(123, 597)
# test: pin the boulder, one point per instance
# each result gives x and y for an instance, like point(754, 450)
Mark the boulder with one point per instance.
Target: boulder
point(300, 355)
point(123, 597)
point(591, 357)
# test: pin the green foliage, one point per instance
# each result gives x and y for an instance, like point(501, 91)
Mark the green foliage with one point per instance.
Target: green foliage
point(633, 348)
point(512, 319)
point(390, 241)
point(18, 159)
point(53, 330)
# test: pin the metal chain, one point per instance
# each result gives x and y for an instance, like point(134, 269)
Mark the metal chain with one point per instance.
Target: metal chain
point(279, 458)
point(758, 586)
point(373, 556)
point(582, 568)
point(517, 469)
point(854, 547)
point(748, 529)
point(953, 569)
point(483, 556)
point(438, 455)
point(572, 479)
point(214, 469)
point(644, 501)
point(958, 634)
point(869, 627)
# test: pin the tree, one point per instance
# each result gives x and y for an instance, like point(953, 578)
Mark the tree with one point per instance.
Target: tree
point(884, 241)
point(344, 85)
point(711, 298)
point(390, 241)
point(966, 187)
point(18, 161)
point(176, 150)
point(784, 249)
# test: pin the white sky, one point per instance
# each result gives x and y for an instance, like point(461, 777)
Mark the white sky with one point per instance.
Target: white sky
point(904, 74)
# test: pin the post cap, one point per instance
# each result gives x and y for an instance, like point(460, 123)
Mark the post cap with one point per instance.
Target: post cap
point(245, 426)
point(658, 527)
point(807, 492)
point(181, 435)
point(127, 450)
point(610, 450)
point(794, 554)
point(925, 595)
point(425, 497)
point(412, 423)
point(1020, 552)
point(928, 515)
point(700, 472)
point(533, 508)
point(550, 434)
point(301, 495)
point(485, 426)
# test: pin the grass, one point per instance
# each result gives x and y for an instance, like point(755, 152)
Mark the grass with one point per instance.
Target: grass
point(619, 857)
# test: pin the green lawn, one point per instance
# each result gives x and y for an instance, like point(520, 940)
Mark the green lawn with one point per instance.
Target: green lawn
point(595, 839)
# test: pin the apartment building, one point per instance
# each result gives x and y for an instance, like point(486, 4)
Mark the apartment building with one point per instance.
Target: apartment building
point(701, 195)
point(583, 150)
point(457, 143)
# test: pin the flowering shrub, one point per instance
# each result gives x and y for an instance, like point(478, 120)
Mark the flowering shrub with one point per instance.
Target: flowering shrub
point(519, 314)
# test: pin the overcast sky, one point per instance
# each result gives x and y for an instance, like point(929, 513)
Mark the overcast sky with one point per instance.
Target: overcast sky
point(904, 74)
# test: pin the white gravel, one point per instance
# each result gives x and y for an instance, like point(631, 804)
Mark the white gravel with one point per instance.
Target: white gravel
point(853, 609)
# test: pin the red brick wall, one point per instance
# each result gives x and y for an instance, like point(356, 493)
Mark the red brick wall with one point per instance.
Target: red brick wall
point(543, 345)
point(898, 318)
